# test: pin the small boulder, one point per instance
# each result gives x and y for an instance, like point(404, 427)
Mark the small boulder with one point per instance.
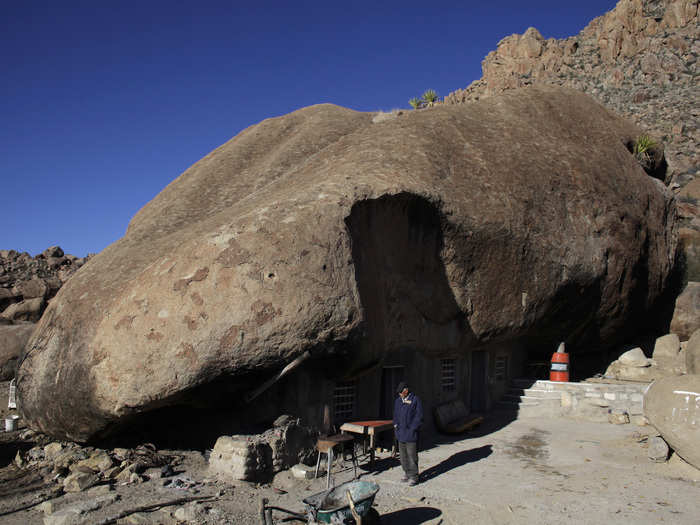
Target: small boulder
point(686, 314)
point(635, 358)
point(52, 450)
point(79, 481)
point(27, 310)
point(99, 462)
point(658, 449)
point(618, 417)
point(302, 471)
point(667, 347)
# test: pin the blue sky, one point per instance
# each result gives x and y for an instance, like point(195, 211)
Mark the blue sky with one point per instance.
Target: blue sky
point(103, 103)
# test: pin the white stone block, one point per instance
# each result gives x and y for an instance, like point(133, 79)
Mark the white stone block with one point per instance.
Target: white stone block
point(301, 471)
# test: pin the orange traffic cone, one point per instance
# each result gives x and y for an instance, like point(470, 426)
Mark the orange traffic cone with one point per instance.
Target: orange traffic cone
point(560, 365)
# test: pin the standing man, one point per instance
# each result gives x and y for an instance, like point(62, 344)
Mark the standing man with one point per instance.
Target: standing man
point(408, 418)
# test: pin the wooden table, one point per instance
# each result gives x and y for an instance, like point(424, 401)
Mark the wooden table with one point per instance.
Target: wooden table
point(368, 428)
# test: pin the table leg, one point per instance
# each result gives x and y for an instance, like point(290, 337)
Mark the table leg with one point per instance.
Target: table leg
point(330, 466)
point(371, 451)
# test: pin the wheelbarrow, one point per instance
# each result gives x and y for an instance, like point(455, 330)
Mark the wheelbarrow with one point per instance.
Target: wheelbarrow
point(345, 504)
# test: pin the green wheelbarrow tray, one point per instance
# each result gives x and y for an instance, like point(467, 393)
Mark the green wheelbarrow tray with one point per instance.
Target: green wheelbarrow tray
point(333, 507)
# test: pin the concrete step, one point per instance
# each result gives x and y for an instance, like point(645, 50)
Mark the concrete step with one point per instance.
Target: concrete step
point(526, 397)
point(534, 392)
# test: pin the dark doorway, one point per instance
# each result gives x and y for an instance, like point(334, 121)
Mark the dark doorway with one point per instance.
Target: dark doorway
point(391, 377)
point(479, 391)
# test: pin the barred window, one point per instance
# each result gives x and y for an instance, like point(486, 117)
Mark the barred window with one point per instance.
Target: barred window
point(344, 401)
point(501, 370)
point(448, 375)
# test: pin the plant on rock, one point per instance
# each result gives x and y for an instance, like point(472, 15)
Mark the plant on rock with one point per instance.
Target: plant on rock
point(430, 97)
point(416, 103)
point(642, 150)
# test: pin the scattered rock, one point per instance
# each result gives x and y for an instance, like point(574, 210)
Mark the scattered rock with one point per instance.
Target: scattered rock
point(634, 358)
point(640, 421)
point(52, 450)
point(74, 514)
point(302, 471)
point(658, 449)
point(190, 513)
point(79, 481)
point(618, 417)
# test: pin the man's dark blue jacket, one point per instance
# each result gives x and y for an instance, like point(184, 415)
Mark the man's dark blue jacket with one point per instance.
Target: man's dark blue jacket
point(408, 418)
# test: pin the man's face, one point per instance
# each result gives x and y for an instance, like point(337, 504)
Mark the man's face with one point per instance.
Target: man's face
point(403, 393)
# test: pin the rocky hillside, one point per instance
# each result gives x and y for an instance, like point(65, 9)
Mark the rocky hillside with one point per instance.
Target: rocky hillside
point(27, 283)
point(641, 60)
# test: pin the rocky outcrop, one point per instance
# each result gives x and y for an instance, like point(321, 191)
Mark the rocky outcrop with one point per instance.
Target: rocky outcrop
point(672, 406)
point(641, 60)
point(27, 284)
point(12, 341)
point(323, 231)
point(686, 314)
point(668, 359)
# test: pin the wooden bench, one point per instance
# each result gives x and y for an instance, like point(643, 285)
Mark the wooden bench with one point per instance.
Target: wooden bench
point(452, 417)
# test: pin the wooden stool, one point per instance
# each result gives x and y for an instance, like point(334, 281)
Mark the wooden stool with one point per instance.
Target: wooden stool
point(326, 444)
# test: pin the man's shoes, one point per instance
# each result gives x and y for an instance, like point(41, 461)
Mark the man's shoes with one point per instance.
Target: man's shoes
point(412, 482)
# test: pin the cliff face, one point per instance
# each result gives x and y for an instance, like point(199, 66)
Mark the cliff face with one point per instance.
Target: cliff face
point(640, 59)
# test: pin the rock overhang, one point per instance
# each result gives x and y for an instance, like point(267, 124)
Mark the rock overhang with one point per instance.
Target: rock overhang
point(251, 256)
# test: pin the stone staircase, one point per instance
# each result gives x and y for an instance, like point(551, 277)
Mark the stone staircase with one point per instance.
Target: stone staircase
point(529, 398)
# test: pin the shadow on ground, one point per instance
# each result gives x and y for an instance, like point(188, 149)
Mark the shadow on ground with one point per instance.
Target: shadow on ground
point(413, 515)
point(455, 461)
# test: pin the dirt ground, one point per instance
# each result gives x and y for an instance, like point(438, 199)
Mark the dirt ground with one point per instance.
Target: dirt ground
point(505, 472)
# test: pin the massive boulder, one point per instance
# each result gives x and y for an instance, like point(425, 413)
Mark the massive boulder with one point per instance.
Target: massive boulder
point(443, 229)
point(672, 406)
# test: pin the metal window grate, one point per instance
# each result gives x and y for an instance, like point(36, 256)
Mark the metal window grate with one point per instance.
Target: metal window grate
point(501, 370)
point(448, 375)
point(344, 401)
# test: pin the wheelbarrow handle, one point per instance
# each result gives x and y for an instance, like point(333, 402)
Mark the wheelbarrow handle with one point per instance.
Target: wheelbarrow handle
point(358, 518)
point(266, 513)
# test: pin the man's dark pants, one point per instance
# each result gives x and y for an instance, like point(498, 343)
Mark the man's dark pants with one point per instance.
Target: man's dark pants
point(408, 452)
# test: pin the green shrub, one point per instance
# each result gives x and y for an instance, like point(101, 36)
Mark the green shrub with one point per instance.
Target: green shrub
point(430, 96)
point(416, 103)
point(642, 151)
point(643, 144)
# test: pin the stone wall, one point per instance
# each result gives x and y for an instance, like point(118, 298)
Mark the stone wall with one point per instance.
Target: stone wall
point(595, 401)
